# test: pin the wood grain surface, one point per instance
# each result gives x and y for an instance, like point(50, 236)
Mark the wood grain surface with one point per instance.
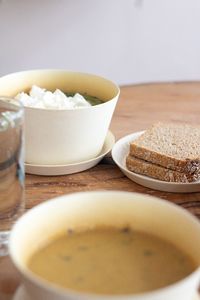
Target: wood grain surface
point(138, 107)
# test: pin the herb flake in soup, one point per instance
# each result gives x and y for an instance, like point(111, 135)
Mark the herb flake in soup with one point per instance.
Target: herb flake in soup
point(91, 99)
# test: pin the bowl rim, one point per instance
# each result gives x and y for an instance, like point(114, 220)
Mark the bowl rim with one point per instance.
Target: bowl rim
point(46, 70)
point(64, 292)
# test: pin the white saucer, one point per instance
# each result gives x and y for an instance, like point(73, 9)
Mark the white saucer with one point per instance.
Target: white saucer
point(49, 170)
point(22, 295)
point(119, 153)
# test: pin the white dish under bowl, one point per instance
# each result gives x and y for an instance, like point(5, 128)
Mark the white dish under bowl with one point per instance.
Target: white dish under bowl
point(66, 169)
point(22, 295)
point(119, 153)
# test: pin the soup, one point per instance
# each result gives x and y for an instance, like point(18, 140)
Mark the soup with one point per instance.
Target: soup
point(110, 261)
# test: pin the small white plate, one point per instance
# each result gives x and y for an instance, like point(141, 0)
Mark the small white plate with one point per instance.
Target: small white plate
point(53, 170)
point(119, 153)
point(22, 295)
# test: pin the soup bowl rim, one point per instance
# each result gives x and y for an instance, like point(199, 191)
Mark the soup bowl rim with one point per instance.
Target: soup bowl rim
point(65, 72)
point(44, 284)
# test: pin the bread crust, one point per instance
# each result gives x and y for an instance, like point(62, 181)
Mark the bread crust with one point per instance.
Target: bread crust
point(143, 167)
point(187, 166)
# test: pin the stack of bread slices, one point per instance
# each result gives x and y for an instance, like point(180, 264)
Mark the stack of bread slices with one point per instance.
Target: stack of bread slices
point(167, 151)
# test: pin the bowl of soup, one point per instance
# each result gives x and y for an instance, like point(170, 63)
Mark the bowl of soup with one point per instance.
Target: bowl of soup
point(64, 134)
point(107, 245)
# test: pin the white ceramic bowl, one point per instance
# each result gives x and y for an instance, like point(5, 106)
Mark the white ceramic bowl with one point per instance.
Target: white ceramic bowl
point(115, 208)
point(63, 136)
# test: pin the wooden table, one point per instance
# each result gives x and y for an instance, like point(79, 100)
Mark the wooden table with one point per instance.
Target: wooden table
point(139, 106)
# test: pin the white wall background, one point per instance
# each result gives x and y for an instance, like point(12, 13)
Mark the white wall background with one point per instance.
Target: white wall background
point(128, 41)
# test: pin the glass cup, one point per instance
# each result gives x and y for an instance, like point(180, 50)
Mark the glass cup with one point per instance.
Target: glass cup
point(11, 167)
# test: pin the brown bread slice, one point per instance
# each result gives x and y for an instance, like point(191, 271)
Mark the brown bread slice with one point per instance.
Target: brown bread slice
point(170, 145)
point(152, 170)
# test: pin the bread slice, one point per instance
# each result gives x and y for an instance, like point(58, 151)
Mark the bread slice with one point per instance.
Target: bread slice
point(170, 145)
point(143, 167)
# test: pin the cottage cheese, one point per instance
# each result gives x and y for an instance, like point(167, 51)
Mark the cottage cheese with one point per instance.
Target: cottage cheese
point(41, 98)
